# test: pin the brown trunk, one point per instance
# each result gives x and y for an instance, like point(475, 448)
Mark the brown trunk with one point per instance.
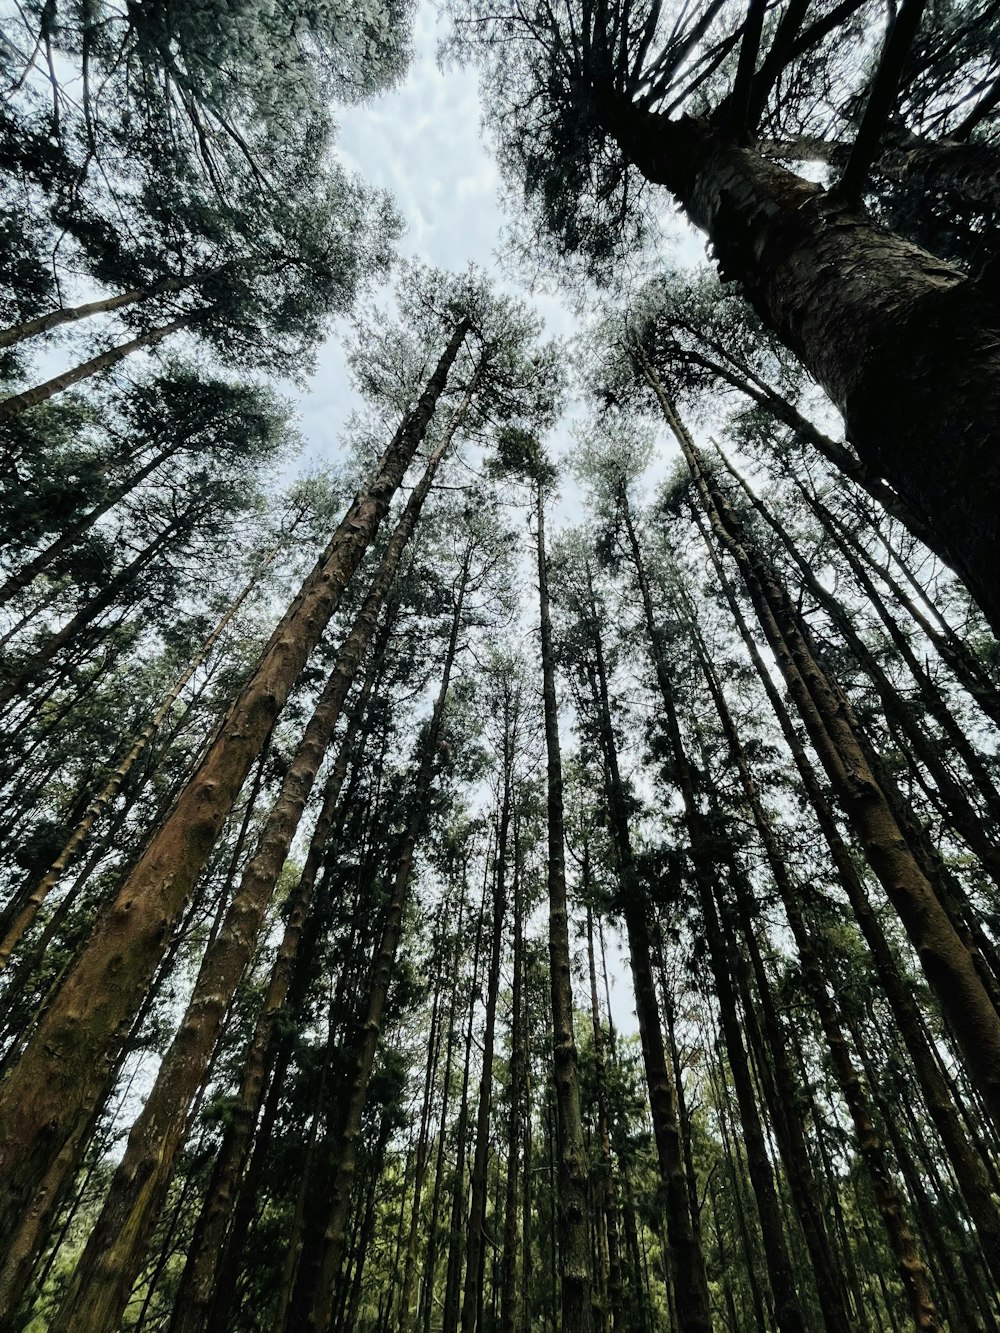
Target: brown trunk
point(20, 402)
point(508, 1294)
point(108, 1267)
point(108, 596)
point(334, 1233)
point(687, 1264)
point(964, 1157)
point(904, 344)
point(574, 1249)
point(194, 1297)
point(472, 1298)
point(912, 1271)
point(45, 1103)
point(80, 834)
point(608, 1196)
point(948, 965)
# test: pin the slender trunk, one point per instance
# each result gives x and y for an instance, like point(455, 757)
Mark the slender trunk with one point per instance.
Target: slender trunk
point(107, 1270)
point(515, 1089)
point(81, 832)
point(577, 1314)
point(54, 319)
point(340, 1196)
point(193, 1300)
point(456, 1231)
point(609, 1199)
point(473, 1294)
point(46, 1100)
point(905, 345)
point(70, 535)
point(948, 965)
point(909, 1262)
point(423, 1144)
point(966, 1160)
point(431, 1263)
point(29, 669)
point(687, 1263)
point(20, 402)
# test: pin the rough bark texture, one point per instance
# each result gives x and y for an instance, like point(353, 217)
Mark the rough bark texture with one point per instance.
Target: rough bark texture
point(966, 1161)
point(907, 347)
point(107, 1269)
point(81, 832)
point(46, 1102)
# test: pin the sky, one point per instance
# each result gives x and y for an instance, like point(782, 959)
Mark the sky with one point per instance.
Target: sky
point(423, 143)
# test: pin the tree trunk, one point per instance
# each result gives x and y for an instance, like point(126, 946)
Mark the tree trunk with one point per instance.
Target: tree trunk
point(905, 345)
point(518, 1070)
point(55, 319)
point(948, 965)
point(912, 1271)
point(966, 1161)
point(340, 1197)
point(687, 1264)
point(20, 402)
point(39, 892)
point(577, 1314)
point(46, 1100)
point(473, 1294)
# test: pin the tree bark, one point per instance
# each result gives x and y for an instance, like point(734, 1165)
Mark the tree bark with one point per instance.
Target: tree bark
point(340, 1197)
point(948, 965)
point(577, 1313)
point(20, 402)
point(81, 832)
point(45, 1103)
point(904, 344)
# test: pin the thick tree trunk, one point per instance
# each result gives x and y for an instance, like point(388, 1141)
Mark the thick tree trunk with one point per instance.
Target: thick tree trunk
point(577, 1313)
point(20, 402)
point(108, 1267)
point(905, 345)
point(45, 1103)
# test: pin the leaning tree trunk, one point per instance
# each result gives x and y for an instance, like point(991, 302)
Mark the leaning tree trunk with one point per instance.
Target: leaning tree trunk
point(38, 892)
point(902, 1244)
point(574, 1229)
point(965, 1160)
point(110, 1263)
point(20, 402)
point(47, 1099)
point(905, 345)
